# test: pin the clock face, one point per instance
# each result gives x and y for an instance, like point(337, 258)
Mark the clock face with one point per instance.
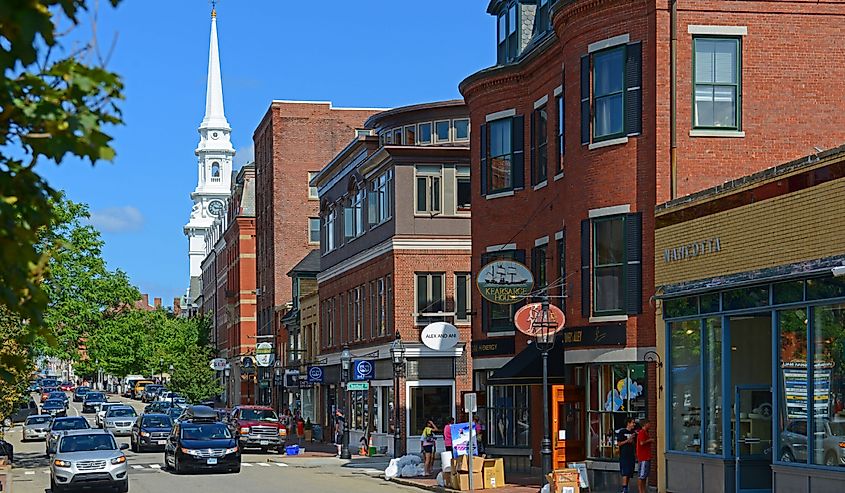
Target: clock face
point(215, 208)
point(214, 135)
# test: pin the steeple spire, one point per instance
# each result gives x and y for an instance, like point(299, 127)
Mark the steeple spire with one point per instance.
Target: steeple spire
point(214, 116)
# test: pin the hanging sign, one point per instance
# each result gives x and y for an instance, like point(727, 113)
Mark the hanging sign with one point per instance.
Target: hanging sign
point(315, 374)
point(246, 362)
point(531, 320)
point(505, 282)
point(363, 369)
point(440, 336)
point(264, 354)
point(218, 364)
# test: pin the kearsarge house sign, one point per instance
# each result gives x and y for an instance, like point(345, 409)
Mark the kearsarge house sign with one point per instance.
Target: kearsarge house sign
point(692, 250)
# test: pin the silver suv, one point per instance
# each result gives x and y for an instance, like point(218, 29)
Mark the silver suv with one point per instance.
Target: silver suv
point(89, 458)
point(830, 437)
point(119, 420)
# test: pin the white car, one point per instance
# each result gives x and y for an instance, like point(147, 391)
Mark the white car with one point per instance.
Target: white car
point(101, 413)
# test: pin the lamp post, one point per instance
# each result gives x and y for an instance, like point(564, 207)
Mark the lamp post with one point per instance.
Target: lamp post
point(170, 371)
point(161, 370)
point(345, 361)
point(227, 370)
point(277, 368)
point(397, 353)
point(544, 334)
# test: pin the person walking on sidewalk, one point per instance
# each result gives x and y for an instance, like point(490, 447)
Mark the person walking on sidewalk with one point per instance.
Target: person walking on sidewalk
point(626, 440)
point(447, 434)
point(428, 442)
point(339, 424)
point(644, 455)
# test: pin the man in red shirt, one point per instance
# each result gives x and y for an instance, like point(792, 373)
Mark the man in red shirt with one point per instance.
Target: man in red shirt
point(644, 455)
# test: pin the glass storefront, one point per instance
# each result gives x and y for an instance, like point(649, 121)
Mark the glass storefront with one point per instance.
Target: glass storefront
point(508, 415)
point(615, 392)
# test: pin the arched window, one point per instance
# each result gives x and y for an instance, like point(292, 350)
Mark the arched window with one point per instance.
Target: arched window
point(215, 169)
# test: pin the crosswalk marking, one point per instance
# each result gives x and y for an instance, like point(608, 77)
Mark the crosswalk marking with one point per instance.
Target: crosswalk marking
point(155, 466)
point(46, 471)
point(263, 464)
point(137, 467)
point(29, 472)
point(281, 464)
point(247, 464)
point(159, 467)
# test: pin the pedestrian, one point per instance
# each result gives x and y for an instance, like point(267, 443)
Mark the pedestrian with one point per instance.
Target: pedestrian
point(644, 454)
point(428, 441)
point(626, 440)
point(479, 434)
point(447, 434)
point(339, 423)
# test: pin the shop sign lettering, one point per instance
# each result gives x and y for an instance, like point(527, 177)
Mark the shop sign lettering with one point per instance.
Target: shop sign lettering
point(505, 282)
point(692, 250)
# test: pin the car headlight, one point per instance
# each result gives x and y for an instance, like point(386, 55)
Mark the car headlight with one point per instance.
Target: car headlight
point(119, 460)
point(231, 450)
point(245, 430)
point(283, 432)
point(61, 463)
point(190, 451)
point(144, 434)
point(841, 444)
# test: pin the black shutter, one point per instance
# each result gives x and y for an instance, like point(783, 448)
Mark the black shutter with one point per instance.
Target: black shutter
point(633, 89)
point(518, 149)
point(533, 137)
point(586, 255)
point(633, 254)
point(585, 99)
point(485, 305)
point(483, 173)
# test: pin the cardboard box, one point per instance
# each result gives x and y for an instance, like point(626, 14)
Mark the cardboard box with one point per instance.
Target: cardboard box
point(494, 473)
point(565, 481)
point(461, 464)
point(460, 481)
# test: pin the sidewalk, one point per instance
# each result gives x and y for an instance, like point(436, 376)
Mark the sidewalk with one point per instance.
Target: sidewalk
point(516, 484)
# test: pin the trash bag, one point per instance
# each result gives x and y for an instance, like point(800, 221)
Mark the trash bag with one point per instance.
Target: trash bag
point(440, 481)
point(420, 470)
point(410, 471)
point(411, 459)
point(545, 488)
point(392, 470)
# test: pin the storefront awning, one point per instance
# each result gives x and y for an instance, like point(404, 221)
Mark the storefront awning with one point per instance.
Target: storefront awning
point(526, 368)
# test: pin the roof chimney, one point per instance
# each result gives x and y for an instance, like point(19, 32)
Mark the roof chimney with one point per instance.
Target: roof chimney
point(157, 302)
point(145, 298)
point(177, 307)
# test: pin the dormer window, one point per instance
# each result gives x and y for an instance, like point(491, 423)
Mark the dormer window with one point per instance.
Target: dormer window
point(508, 38)
point(542, 20)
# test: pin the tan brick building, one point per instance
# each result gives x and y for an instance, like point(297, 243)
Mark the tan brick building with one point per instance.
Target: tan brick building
point(750, 290)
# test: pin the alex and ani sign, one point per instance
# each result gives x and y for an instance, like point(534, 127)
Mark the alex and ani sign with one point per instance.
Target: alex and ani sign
point(692, 250)
point(505, 282)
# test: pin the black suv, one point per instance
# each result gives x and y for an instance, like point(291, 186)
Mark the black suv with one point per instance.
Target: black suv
point(79, 393)
point(150, 392)
point(92, 400)
point(200, 441)
point(150, 431)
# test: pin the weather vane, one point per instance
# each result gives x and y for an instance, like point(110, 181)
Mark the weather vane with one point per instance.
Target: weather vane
point(213, 7)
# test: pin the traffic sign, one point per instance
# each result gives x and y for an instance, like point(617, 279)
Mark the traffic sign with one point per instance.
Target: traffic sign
point(358, 386)
point(315, 374)
point(363, 369)
point(470, 402)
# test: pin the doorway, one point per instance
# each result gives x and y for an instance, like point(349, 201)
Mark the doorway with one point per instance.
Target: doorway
point(567, 425)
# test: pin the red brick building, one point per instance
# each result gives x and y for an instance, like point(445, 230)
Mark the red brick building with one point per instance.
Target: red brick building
point(587, 121)
point(292, 143)
point(395, 243)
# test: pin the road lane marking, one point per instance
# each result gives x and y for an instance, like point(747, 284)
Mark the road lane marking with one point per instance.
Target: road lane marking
point(46, 471)
point(263, 464)
point(246, 464)
point(29, 472)
point(137, 467)
point(281, 464)
point(155, 466)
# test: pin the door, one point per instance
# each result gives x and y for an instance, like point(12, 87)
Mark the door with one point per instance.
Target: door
point(753, 438)
point(567, 425)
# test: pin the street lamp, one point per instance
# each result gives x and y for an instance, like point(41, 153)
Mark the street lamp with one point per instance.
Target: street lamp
point(397, 353)
point(170, 372)
point(345, 361)
point(161, 369)
point(544, 334)
point(227, 370)
point(278, 381)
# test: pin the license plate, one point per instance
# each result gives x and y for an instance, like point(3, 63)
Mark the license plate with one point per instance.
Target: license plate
point(162, 442)
point(211, 462)
point(264, 442)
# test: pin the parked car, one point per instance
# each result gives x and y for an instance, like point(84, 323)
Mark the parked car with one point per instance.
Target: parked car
point(138, 389)
point(54, 407)
point(47, 383)
point(92, 401)
point(794, 442)
point(58, 394)
point(61, 425)
point(157, 407)
point(101, 412)
point(175, 413)
point(89, 458)
point(150, 431)
point(150, 392)
point(79, 393)
point(199, 441)
point(258, 427)
point(36, 427)
point(119, 419)
point(33, 386)
point(25, 409)
point(66, 386)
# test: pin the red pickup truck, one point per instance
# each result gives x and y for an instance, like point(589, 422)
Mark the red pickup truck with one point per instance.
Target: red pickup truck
point(258, 427)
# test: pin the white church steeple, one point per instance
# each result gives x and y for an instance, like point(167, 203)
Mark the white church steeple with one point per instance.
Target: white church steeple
point(214, 166)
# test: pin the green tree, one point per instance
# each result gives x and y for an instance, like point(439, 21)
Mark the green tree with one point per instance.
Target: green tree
point(193, 378)
point(51, 107)
point(13, 388)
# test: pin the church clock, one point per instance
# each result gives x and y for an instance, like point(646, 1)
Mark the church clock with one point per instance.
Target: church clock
point(215, 208)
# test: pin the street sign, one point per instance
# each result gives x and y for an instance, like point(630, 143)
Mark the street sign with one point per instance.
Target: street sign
point(315, 374)
point(470, 402)
point(218, 364)
point(363, 369)
point(504, 282)
point(292, 379)
point(531, 320)
point(358, 386)
point(440, 336)
point(264, 354)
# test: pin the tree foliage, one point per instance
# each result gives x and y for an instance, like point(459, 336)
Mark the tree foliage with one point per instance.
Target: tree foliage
point(13, 388)
point(53, 104)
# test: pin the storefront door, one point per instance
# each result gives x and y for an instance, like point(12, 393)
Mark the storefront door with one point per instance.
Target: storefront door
point(753, 439)
point(567, 425)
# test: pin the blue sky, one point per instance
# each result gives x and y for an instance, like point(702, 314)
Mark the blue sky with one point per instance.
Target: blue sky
point(366, 53)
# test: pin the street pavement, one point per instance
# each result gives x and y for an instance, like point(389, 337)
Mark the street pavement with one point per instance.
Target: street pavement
point(260, 473)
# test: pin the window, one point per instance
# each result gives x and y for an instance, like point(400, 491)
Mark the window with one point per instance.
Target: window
point(314, 230)
point(441, 131)
point(508, 38)
point(397, 136)
point(215, 169)
point(357, 312)
point(353, 216)
point(463, 290)
point(378, 202)
point(381, 308)
point(363, 132)
point(615, 392)
point(329, 226)
point(434, 403)
point(717, 82)
point(410, 135)
point(561, 272)
point(508, 416)
point(542, 21)
point(461, 129)
point(463, 192)
point(424, 133)
point(538, 267)
point(430, 295)
point(609, 265)
point(312, 190)
point(428, 189)
point(539, 144)
point(497, 317)
point(500, 157)
point(609, 93)
point(561, 124)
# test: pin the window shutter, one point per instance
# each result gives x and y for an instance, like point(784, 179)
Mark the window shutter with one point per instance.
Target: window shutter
point(518, 149)
point(533, 137)
point(585, 99)
point(586, 255)
point(633, 88)
point(483, 173)
point(633, 254)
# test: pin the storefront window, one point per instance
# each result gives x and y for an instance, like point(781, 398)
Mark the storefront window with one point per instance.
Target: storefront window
point(828, 380)
point(713, 385)
point(685, 384)
point(616, 392)
point(359, 409)
point(389, 412)
point(508, 416)
point(434, 403)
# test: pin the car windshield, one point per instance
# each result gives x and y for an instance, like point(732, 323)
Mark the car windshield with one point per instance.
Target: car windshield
point(87, 443)
point(70, 424)
point(56, 395)
point(837, 428)
point(53, 403)
point(210, 431)
point(37, 420)
point(175, 412)
point(120, 412)
point(259, 415)
point(82, 390)
point(95, 396)
point(157, 422)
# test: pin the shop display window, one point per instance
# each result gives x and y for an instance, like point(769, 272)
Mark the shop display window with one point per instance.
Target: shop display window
point(433, 403)
point(508, 416)
point(616, 392)
point(685, 386)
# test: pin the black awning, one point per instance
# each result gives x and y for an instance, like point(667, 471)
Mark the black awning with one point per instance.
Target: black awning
point(526, 368)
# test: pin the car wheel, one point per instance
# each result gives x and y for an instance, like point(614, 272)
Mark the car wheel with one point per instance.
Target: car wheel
point(176, 467)
point(55, 488)
point(133, 446)
point(786, 456)
point(831, 459)
point(235, 470)
point(123, 487)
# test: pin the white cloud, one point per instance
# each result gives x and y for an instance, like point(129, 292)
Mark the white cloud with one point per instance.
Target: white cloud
point(117, 219)
point(243, 156)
